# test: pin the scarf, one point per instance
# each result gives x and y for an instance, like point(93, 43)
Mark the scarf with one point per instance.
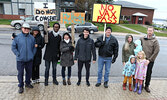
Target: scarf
point(55, 33)
point(67, 41)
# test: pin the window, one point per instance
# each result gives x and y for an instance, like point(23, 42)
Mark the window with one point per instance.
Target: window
point(21, 11)
point(87, 24)
point(124, 17)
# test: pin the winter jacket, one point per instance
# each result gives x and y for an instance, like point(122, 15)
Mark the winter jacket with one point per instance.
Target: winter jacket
point(107, 49)
point(38, 55)
point(150, 47)
point(138, 47)
point(129, 51)
point(66, 59)
point(84, 50)
point(52, 51)
point(129, 68)
point(23, 47)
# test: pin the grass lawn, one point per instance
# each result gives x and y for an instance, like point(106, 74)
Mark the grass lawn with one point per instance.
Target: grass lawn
point(136, 27)
point(143, 29)
point(5, 21)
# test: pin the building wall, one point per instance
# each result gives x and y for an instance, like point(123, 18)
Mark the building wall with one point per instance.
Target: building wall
point(11, 9)
point(7, 8)
point(130, 11)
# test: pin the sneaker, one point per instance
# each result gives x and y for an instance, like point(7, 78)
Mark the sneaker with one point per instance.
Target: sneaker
point(87, 83)
point(64, 82)
point(21, 90)
point(34, 81)
point(98, 84)
point(106, 84)
point(29, 86)
point(37, 81)
point(46, 82)
point(78, 83)
point(55, 82)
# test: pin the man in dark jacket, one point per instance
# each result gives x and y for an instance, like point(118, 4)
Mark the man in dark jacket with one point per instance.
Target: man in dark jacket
point(23, 47)
point(85, 48)
point(52, 53)
point(108, 52)
point(151, 48)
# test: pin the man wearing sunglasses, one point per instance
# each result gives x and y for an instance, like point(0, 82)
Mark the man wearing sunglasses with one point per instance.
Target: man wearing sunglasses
point(23, 47)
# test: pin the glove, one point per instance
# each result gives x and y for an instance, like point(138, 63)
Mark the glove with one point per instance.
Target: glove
point(71, 48)
point(103, 43)
point(113, 61)
point(14, 35)
point(44, 32)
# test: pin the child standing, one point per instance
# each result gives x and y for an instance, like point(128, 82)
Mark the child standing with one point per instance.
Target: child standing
point(138, 47)
point(129, 71)
point(141, 68)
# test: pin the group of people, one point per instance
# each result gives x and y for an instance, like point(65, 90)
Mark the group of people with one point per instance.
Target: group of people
point(138, 58)
point(28, 50)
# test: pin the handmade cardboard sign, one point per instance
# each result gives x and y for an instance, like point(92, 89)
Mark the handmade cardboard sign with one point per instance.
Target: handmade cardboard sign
point(72, 18)
point(44, 11)
point(106, 13)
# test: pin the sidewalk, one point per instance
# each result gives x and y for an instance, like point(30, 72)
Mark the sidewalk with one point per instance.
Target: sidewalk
point(9, 90)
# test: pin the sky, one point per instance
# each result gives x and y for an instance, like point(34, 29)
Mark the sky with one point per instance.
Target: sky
point(159, 5)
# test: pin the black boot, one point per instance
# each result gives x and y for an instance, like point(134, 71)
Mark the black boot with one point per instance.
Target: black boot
point(78, 83)
point(98, 84)
point(106, 84)
point(46, 82)
point(29, 86)
point(21, 90)
point(55, 82)
point(147, 89)
point(64, 82)
point(68, 81)
point(87, 83)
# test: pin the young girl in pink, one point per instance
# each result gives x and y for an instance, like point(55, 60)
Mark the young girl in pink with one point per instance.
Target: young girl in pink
point(141, 69)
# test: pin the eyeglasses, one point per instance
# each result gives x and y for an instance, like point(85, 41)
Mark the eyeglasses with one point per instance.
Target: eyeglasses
point(26, 28)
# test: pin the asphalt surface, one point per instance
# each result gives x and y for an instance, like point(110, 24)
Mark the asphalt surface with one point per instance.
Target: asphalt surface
point(8, 61)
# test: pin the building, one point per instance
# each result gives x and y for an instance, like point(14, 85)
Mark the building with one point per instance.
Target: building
point(135, 13)
point(130, 12)
point(13, 9)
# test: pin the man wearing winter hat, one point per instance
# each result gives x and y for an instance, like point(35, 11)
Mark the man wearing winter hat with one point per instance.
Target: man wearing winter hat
point(23, 47)
point(108, 52)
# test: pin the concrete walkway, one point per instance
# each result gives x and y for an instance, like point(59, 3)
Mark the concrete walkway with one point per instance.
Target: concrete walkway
point(9, 90)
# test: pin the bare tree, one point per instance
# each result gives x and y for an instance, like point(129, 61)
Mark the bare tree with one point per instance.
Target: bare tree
point(85, 5)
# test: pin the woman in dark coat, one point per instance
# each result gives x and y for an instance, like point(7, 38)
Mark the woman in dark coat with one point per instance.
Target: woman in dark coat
point(38, 56)
point(66, 59)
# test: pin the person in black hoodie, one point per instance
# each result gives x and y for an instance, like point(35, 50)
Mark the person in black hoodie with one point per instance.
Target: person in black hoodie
point(38, 55)
point(108, 52)
point(84, 50)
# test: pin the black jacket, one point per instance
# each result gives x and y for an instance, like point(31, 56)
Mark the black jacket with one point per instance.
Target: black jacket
point(52, 51)
point(107, 50)
point(85, 48)
point(38, 55)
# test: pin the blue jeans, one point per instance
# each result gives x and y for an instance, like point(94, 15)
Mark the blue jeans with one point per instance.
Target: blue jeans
point(101, 61)
point(63, 72)
point(20, 68)
point(47, 67)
